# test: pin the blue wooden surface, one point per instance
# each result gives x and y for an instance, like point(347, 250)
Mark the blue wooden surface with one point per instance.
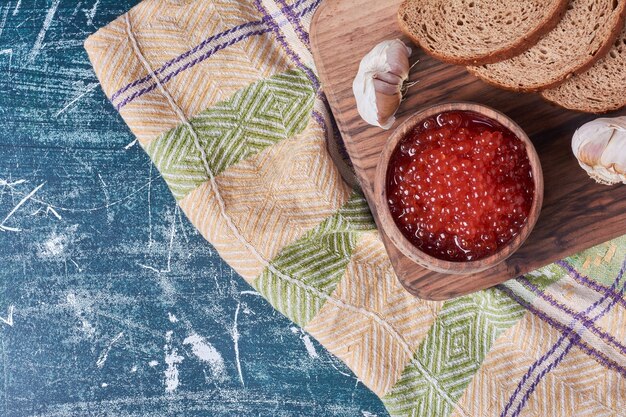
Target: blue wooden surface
point(103, 281)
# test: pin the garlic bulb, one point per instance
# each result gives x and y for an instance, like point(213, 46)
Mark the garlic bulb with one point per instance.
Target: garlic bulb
point(378, 84)
point(600, 147)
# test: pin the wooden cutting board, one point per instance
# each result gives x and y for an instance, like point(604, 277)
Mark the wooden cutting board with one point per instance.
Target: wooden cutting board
point(577, 213)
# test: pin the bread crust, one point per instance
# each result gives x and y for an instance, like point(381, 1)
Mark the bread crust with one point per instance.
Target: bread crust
point(602, 52)
point(523, 44)
point(582, 109)
point(600, 80)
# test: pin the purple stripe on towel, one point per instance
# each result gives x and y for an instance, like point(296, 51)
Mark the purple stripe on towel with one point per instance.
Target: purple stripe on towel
point(321, 121)
point(589, 283)
point(586, 321)
point(201, 45)
point(189, 65)
point(281, 38)
point(599, 356)
point(185, 55)
point(543, 373)
point(295, 21)
point(265, 25)
point(574, 338)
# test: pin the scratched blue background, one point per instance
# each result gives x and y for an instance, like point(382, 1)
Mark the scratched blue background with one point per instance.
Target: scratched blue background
point(110, 303)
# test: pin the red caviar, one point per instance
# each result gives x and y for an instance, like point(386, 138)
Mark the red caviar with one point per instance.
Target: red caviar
point(460, 186)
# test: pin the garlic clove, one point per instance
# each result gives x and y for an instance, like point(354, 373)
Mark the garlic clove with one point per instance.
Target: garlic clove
point(614, 156)
point(590, 152)
point(386, 106)
point(398, 59)
point(600, 147)
point(383, 87)
point(378, 85)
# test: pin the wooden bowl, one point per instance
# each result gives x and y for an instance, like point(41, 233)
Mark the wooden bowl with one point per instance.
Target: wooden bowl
point(396, 236)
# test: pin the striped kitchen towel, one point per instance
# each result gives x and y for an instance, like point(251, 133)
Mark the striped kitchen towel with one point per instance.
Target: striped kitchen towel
point(223, 96)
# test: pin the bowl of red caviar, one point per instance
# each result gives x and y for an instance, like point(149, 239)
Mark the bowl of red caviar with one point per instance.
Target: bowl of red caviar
point(459, 187)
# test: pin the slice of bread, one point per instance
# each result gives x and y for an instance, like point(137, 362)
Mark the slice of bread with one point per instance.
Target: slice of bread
point(476, 32)
point(584, 35)
point(602, 88)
